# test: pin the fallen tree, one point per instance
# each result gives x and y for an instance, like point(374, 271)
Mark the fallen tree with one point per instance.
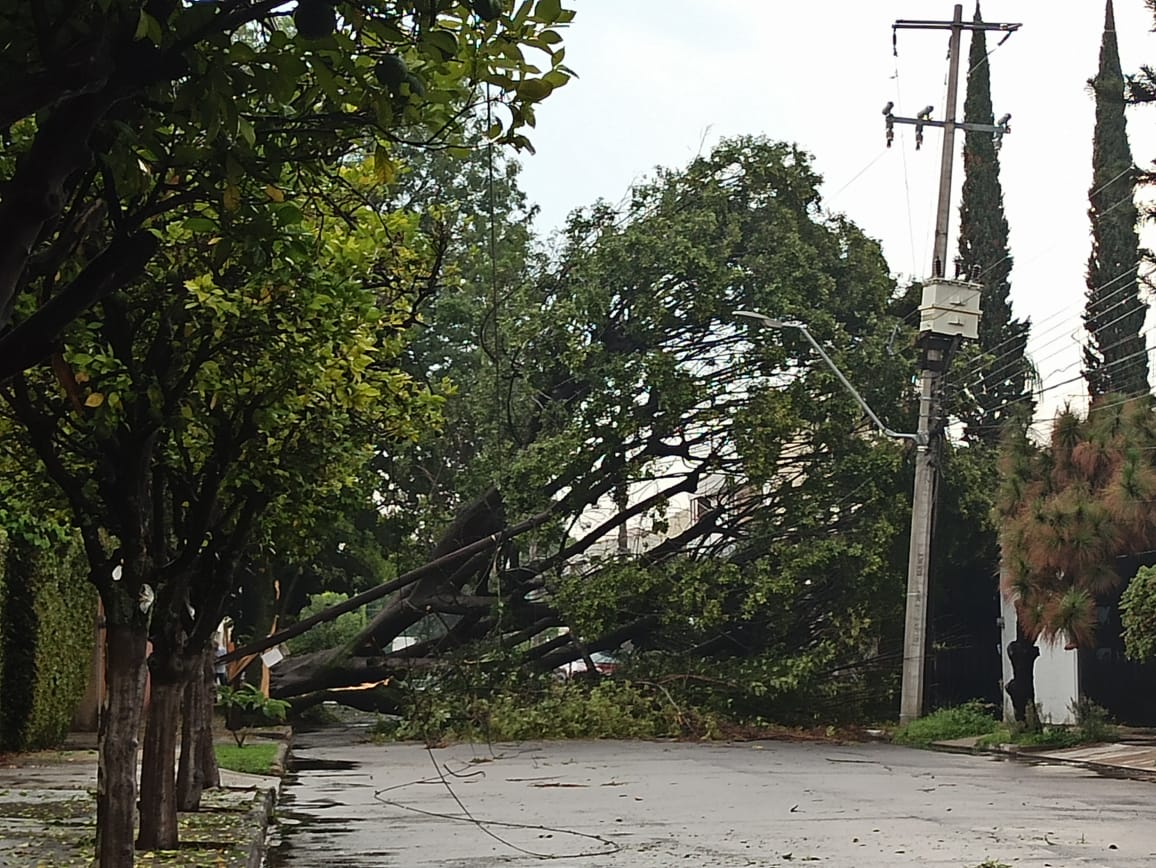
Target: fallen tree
point(699, 494)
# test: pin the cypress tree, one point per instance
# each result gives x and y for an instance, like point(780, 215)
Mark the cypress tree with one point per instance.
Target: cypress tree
point(1114, 357)
point(1142, 91)
point(1002, 385)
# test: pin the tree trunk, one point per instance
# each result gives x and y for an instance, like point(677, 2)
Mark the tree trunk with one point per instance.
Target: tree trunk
point(119, 729)
point(198, 765)
point(206, 754)
point(158, 803)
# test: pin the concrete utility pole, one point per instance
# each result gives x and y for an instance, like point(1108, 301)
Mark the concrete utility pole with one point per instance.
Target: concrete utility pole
point(948, 314)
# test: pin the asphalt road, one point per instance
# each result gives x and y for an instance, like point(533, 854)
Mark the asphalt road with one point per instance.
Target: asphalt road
point(644, 804)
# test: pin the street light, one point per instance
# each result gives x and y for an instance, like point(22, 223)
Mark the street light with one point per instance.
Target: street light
point(915, 616)
point(767, 321)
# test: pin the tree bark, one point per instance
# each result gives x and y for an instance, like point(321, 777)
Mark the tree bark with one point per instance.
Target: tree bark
point(158, 803)
point(325, 670)
point(206, 753)
point(119, 728)
point(197, 770)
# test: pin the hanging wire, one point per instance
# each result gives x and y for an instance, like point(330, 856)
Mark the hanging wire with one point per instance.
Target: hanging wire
point(903, 155)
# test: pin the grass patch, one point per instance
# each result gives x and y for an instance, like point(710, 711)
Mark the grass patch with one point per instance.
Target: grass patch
point(971, 718)
point(252, 759)
point(1092, 726)
point(1049, 736)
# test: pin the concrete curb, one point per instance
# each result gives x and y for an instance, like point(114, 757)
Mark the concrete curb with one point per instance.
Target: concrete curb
point(282, 757)
point(265, 804)
point(1041, 755)
point(260, 816)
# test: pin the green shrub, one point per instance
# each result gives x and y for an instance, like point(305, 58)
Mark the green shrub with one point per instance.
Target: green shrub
point(1092, 725)
point(246, 707)
point(1138, 614)
point(46, 629)
point(971, 718)
point(1092, 722)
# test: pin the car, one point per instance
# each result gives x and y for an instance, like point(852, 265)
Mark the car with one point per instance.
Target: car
point(604, 664)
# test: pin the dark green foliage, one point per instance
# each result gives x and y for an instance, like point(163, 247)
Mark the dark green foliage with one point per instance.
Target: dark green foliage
point(487, 10)
point(1115, 359)
point(391, 71)
point(3, 600)
point(1002, 379)
point(47, 611)
point(315, 19)
point(1138, 612)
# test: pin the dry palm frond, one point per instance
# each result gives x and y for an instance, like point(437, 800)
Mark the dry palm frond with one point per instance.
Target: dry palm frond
point(1010, 497)
point(1030, 614)
point(1071, 617)
point(1128, 498)
point(1066, 435)
point(1016, 579)
point(1140, 419)
point(1107, 417)
point(1099, 578)
point(1094, 460)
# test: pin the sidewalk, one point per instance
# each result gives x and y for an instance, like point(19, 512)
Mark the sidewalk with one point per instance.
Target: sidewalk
point(1134, 755)
point(48, 812)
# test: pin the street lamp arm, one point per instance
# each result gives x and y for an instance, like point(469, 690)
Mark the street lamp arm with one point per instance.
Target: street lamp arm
point(790, 324)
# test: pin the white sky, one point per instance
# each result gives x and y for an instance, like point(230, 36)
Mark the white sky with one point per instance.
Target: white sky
point(659, 79)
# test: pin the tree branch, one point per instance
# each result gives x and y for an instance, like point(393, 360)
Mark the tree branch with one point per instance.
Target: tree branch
point(35, 338)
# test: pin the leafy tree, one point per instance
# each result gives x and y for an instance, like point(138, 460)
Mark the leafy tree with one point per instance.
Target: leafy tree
point(619, 364)
point(1116, 359)
point(1069, 510)
point(134, 128)
point(119, 113)
point(1002, 380)
point(195, 403)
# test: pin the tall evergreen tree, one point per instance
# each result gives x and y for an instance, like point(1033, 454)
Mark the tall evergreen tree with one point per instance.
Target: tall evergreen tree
point(1114, 357)
point(1002, 385)
point(1142, 91)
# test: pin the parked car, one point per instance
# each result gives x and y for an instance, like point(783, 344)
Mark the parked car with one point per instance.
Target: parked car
point(604, 663)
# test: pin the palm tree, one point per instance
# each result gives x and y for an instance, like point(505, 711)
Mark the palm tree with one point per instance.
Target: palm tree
point(1068, 510)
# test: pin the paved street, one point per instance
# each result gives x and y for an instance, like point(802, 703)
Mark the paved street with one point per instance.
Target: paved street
point(643, 804)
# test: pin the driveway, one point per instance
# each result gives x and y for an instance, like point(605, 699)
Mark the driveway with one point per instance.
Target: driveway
point(643, 804)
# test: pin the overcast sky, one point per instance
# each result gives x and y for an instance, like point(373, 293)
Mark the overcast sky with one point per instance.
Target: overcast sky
point(661, 78)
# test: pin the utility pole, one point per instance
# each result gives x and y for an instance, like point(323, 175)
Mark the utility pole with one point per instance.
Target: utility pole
point(949, 313)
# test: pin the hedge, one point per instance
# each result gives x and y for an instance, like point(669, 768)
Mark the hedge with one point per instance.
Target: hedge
point(47, 609)
point(3, 631)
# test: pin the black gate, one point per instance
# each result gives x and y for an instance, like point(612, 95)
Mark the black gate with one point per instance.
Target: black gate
point(1107, 677)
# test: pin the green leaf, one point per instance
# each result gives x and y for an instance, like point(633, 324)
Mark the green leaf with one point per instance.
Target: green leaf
point(200, 224)
point(142, 26)
point(548, 11)
point(247, 132)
